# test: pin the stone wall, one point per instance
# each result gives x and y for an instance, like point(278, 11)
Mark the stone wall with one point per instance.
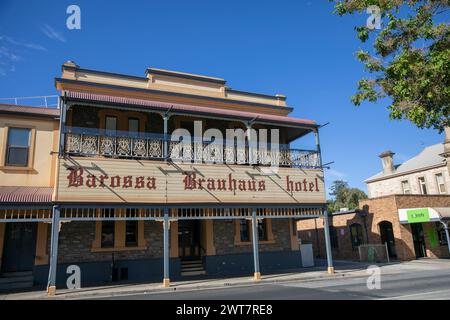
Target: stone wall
point(394, 185)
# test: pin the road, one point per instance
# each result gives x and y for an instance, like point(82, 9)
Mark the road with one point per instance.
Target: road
point(406, 284)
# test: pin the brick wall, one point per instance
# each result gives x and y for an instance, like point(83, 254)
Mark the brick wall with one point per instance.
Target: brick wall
point(224, 238)
point(75, 243)
point(379, 209)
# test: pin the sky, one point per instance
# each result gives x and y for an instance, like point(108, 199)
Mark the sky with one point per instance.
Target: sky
point(297, 48)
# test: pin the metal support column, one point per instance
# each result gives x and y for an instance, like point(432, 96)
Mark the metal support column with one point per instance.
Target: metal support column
point(326, 228)
point(447, 234)
point(257, 274)
point(166, 149)
point(51, 285)
point(166, 280)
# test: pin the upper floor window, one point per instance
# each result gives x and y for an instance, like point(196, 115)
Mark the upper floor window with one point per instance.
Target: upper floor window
point(18, 147)
point(356, 235)
point(423, 185)
point(111, 124)
point(440, 183)
point(133, 124)
point(405, 187)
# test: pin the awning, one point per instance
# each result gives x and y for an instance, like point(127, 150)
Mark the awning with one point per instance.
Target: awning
point(184, 108)
point(25, 195)
point(418, 215)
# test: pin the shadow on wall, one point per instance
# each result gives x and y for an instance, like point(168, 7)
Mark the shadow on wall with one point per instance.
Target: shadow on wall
point(348, 231)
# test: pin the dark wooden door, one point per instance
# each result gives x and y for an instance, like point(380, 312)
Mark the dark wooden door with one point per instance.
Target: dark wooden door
point(189, 239)
point(419, 240)
point(20, 247)
point(387, 236)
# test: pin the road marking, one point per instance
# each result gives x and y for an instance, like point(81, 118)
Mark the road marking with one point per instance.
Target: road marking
point(416, 294)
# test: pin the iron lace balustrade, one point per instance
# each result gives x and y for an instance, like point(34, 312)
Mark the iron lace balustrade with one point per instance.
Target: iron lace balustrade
point(139, 145)
point(116, 144)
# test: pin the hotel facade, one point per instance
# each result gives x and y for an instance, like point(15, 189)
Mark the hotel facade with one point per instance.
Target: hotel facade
point(138, 179)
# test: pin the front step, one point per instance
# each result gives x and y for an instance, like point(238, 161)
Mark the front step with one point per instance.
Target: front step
point(16, 280)
point(192, 268)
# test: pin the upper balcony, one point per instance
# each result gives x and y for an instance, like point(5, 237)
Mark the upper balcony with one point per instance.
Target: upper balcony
point(123, 131)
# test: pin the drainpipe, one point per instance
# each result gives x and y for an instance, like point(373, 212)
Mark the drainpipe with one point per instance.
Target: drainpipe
point(447, 234)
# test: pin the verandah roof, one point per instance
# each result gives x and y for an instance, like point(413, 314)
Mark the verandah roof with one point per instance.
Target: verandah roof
point(184, 108)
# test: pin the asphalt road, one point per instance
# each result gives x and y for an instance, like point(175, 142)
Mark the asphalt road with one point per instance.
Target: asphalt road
point(423, 285)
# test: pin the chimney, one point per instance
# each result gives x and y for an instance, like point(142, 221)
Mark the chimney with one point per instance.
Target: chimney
point(387, 161)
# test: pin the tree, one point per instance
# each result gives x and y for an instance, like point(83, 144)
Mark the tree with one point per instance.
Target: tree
point(409, 62)
point(344, 196)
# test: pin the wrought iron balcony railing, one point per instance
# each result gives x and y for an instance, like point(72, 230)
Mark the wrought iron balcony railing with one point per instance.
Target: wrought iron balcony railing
point(137, 145)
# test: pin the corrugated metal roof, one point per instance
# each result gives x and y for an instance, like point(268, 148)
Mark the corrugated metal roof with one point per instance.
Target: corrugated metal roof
point(24, 194)
point(428, 157)
point(40, 111)
point(164, 106)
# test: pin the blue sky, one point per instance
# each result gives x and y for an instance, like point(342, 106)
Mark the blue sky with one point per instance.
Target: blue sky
point(298, 48)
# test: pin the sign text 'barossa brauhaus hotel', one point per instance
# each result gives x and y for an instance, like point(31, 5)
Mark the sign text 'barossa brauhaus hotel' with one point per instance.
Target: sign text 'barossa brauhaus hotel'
point(154, 178)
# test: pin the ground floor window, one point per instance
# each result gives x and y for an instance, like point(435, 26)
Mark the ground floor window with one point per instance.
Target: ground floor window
point(262, 230)
point(107, 234)
point(245, 227)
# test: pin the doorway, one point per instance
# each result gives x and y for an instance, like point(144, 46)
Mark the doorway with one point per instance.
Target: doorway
point(387, 236)
point(19, 247)
point(419, 240)
point(189, 239)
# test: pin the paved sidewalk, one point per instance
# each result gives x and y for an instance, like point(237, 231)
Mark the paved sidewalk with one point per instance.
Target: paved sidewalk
point(343, 269)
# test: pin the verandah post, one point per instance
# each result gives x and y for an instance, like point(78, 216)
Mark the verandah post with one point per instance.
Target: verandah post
point(257, 273)
point(51, 284)
point(326, 229)
point(166, 280)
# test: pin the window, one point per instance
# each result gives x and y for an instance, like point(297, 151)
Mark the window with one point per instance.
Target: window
point(440, 183)
point(131, 229)
point(423, 185)
point(133, 125)
point(294, 227)
point(245, 229)
point(262, 230)
point(356, 235)
point(107, 234)
point(441, 234)
point(111, 124)
point(405, 187)
point(17, 147)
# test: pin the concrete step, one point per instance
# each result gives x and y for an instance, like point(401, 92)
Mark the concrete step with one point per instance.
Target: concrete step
point(195, 268)
point(193, 273)
point(187, 262)
point(16, 285)
point(16, 274)
point(16, 279)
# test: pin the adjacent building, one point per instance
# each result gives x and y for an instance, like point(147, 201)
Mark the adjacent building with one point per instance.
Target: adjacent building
point(408, 210)
point(136, 178)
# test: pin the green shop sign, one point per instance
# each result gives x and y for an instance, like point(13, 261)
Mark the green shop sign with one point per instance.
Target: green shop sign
point(418, 215)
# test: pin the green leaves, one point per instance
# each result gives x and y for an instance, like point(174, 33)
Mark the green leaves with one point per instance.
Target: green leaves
point(411, 60)
point(344, 196)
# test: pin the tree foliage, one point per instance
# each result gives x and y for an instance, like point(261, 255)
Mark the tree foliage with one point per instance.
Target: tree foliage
point(344, 196)
point(410, 60)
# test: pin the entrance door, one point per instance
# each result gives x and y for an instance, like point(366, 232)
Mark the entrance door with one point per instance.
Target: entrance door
point(387, 236)
point(419, 240)
point(189, 239)
point(20, 247)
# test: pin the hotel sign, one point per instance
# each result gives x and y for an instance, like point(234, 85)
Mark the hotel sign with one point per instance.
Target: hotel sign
point(113, 180)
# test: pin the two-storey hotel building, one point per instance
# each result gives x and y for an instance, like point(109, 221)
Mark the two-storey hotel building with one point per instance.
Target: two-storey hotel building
point(107, 183)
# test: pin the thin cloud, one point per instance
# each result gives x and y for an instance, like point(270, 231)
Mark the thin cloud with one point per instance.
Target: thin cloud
point(28, 45)
point(336, 174)
point(52, 33)
point(13, 51)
